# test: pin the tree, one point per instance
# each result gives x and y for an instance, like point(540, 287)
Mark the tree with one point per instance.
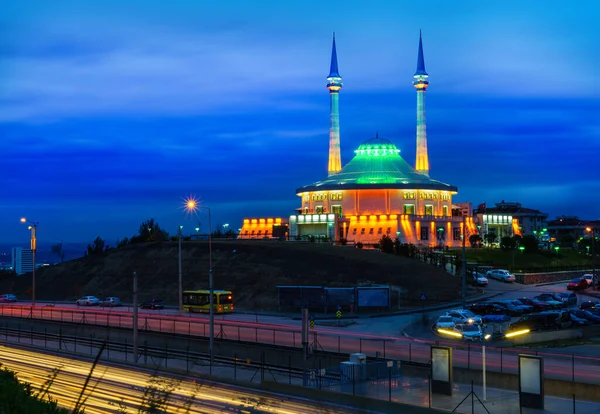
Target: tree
point(57, 249)
point(387, 244)
point(490, 238)
point(150, 231)
point(123, 242)
point(97, 248)
point(508, 243)
point(567, 240)
point(474, 240)
point(530, 243)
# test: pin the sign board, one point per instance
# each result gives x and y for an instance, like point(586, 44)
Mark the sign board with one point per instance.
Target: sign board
point(338, 314)
point(423, 297)
point(441, 370)
point(390, 364)
point(312, 324)
point(531, 381)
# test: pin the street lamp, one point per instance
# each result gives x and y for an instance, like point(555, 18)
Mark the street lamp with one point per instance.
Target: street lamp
point(192, 206)
point(33, 227)
point(556, 248)
point(484, 337)
point(180, 272)
point(593, 231)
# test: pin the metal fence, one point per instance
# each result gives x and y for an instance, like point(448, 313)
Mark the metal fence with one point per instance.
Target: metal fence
point(559, 366)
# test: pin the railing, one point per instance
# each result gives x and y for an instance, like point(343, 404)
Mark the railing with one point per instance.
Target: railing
point(559, 366)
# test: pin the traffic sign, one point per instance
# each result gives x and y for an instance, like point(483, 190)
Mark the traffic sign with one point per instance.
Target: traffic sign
point(339, 307)
point(338, 314)
point(390, 364)
point(423, 297)
point(312, 324)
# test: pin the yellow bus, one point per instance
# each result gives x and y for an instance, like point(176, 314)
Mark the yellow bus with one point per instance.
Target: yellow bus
point(199, 301)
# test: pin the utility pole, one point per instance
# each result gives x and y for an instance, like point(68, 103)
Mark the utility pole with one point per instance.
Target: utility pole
point(304, 344)
point(135, 317)
point(464, 262)
point(180, 273)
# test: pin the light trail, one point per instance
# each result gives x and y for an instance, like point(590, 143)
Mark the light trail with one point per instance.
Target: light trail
point(112, 388)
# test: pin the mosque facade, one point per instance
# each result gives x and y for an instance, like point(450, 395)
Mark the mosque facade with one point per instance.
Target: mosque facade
point(377, 193)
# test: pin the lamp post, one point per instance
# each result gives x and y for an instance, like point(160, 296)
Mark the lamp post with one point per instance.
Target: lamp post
point(197, 233)
point(191, 205)
point(593, 231)
point(180, 272)
point(484, 337)
point(464, 262)
point(33, 227)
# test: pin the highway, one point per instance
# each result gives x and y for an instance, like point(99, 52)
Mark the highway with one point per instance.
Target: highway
point(122, 389)
point(334, 339)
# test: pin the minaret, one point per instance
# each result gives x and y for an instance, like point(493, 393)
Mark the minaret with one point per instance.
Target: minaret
point(334, 84)
point(420, 82)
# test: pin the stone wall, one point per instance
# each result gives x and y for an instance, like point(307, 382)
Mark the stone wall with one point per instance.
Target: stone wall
point(548, 277)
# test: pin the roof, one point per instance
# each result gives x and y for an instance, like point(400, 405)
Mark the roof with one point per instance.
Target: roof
point(333, 70)
point(420, 59)
point(377, 165)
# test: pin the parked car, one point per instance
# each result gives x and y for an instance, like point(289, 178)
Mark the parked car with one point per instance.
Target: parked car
point(88, 301)
point(501, 274)
point(537, 305)
point(569, 299)
point(584, 314)
point(111, 301)
point(577, 321)
point(589, 278)
point(153, 304)
point(7, 297)
point(551, 300)
point(469, 332)
point(535, 322)
point(563, 318)
point(444, 322)
point(520, 305)
point(577, 284)
point(485, 308)
point(464, 316)
point(478, 280)
point(589, 305)
point(510, 309)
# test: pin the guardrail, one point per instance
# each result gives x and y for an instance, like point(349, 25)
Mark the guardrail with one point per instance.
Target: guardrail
point(560, 366)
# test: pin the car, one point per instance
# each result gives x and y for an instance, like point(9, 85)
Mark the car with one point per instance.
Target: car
point(111, 301)
point(589, 305)
point(464, 316)
point(478, 280)
point(520, 305)
point(469, 332)
point(551, 300)
point(509, 308)
point(153, 304)
point(584, 314)
point(589, 278)
point(7, 297)
point(485, 308)
point(577, 284)
point(577, 321)
point(501, 274)
point(535, 322)
point(88, 301)
point(569, 299)
point(563, 318)
point(537, 305)
point(444, 322)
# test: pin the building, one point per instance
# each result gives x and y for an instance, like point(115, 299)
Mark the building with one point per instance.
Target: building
point(22, 260)
point(570, 229)
point(377, 193)
point(509, 219)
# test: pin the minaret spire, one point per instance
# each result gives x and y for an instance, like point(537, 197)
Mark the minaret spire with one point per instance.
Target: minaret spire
point(334, 84)
point(420, 83)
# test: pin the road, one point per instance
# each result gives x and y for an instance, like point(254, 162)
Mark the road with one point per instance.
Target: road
point(373, 336)
point(121, 389)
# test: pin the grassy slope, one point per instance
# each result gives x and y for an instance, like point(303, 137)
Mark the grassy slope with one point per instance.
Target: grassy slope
point(252, 269)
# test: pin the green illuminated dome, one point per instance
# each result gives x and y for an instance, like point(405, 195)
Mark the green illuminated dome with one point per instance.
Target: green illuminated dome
point(377, 165)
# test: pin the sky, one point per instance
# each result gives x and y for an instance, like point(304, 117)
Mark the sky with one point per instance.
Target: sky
point(111, 112)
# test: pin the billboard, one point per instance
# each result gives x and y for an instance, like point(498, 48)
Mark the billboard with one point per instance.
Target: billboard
point(373, 297)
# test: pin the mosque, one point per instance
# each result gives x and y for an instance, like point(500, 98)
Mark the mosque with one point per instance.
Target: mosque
point(377, 193)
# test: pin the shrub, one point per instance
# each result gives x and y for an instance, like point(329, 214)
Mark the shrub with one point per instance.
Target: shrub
point(359, 245)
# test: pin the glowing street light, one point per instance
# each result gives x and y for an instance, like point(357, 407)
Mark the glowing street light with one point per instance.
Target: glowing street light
point(180, 271)
point(33, 227)
point(192, 205)
point(593, 231)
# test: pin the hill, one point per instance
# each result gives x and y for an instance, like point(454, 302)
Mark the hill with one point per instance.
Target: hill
point(252, 269)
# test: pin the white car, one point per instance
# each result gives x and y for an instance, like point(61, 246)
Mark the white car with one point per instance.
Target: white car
point(463, 316)
point(501, 274)
point(589, 278)
point(88, 301)
point(444, 322)
point(469, 332)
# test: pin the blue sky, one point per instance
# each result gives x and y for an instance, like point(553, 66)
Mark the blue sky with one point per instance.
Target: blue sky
point(110, 113)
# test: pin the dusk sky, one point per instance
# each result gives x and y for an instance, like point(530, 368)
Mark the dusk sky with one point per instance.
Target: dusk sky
point(111, 113)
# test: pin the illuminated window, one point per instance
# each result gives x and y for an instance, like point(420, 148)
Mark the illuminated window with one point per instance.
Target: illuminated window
point(362, 231)
point(445, 211)
point(425, 233)
point(354, 232)
point(259, 232)
point(371, 230)
point(389, 230)
point(319, 209)
point(253, 232)
point(428, 210)
point(380, 231)
point(409, 209)
point(337, 210)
